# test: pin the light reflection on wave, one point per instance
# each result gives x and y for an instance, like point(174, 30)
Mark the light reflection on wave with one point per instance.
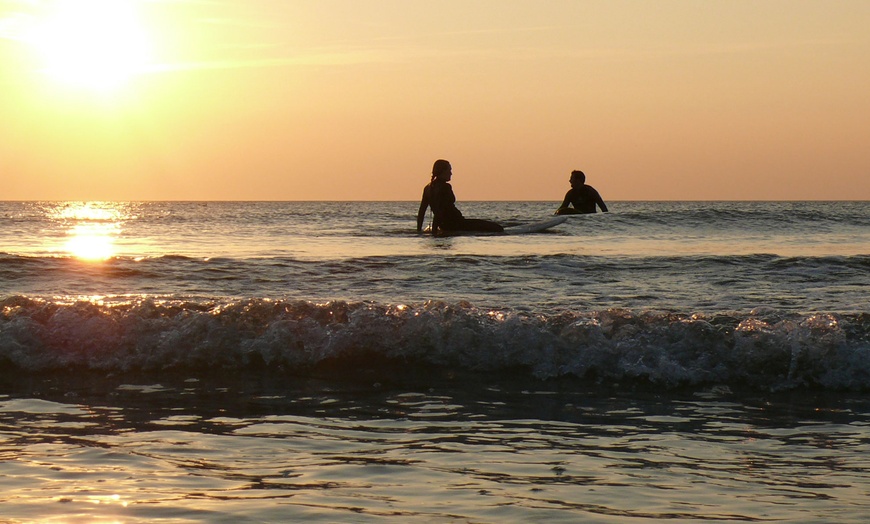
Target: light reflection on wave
point(224, 450)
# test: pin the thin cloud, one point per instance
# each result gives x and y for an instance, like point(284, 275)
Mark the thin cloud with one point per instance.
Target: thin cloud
point(336, 59)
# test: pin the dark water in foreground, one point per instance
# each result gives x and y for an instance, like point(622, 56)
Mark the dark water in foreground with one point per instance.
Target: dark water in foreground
point(451, 448)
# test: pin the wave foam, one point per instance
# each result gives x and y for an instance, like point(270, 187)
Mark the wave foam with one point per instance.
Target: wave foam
point(762, 348)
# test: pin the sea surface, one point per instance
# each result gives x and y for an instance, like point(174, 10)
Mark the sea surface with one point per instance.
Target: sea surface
point(237, 362)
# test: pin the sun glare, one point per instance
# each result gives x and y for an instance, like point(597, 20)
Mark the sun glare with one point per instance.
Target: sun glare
point(93, 44)
point(92, 228)
point(92, 241)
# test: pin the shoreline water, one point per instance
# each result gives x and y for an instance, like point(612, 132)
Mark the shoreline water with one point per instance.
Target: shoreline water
point(461, 447)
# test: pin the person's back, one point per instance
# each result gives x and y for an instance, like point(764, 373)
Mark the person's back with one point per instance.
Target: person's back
point(584, 198)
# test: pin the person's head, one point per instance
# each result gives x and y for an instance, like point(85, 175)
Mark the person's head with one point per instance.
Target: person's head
point(578, 178)
point(441, 170)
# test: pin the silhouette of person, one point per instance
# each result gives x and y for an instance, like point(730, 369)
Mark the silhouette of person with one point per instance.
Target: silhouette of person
point(583, 197)
point(438, 195)
point(425, 201)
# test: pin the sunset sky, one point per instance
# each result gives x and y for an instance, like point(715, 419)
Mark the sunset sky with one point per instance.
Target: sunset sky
point(354, 100)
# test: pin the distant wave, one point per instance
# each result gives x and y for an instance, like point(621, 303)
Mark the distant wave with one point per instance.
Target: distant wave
point(688, 284)
point(764, 348)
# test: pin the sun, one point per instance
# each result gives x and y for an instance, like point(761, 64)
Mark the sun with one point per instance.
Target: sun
point(94, 44)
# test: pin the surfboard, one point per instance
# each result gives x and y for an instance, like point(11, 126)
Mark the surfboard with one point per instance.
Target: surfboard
point(520, 229)
point(535, 227)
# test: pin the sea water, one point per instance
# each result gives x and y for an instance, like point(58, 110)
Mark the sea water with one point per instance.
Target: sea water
point(321, 361)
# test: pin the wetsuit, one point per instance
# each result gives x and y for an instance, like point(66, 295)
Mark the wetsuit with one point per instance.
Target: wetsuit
point(583, 199)
point(424, 205)
point(447, 216)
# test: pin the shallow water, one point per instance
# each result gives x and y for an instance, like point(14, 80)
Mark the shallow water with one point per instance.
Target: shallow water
point(285, 449)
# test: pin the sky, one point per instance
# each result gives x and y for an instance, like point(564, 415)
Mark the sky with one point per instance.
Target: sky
point(354, 100)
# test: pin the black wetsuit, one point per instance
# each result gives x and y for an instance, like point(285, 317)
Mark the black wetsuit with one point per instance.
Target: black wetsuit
point(583, 199)
point(424, 205)
point(439, 196)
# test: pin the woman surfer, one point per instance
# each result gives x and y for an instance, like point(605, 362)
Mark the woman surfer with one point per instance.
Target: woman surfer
point(447, 218)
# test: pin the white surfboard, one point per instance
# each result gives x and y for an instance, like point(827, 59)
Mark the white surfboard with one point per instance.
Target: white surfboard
point(520, 229)
point(535, 227)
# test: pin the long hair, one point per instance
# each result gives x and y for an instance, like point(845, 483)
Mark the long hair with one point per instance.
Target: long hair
point(439, 167)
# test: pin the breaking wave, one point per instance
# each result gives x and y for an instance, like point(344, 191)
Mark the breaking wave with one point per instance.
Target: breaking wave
point(763, 348)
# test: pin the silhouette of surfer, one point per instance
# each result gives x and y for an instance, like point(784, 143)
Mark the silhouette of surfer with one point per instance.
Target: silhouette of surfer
point(583, 197)
point(438, 195)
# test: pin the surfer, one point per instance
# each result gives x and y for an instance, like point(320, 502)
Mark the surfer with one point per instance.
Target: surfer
point(438, 195)
point(583, 197)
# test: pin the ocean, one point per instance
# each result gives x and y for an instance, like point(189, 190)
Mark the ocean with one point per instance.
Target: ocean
point(245, 362)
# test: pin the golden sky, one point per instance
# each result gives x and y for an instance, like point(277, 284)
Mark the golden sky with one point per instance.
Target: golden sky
point(354, 99)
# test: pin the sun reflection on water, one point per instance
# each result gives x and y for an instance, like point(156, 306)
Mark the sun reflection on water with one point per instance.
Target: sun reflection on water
point(92, 241)
point(91, 228)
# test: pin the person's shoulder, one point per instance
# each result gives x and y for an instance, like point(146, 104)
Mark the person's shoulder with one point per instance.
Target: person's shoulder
point(439, 187)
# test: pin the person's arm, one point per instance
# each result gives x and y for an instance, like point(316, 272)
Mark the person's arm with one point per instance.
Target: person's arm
point(424, 204)
point(600, 202)
point(565, 203)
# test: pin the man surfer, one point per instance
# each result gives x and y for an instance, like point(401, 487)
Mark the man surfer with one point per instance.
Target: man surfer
point(583, 197)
